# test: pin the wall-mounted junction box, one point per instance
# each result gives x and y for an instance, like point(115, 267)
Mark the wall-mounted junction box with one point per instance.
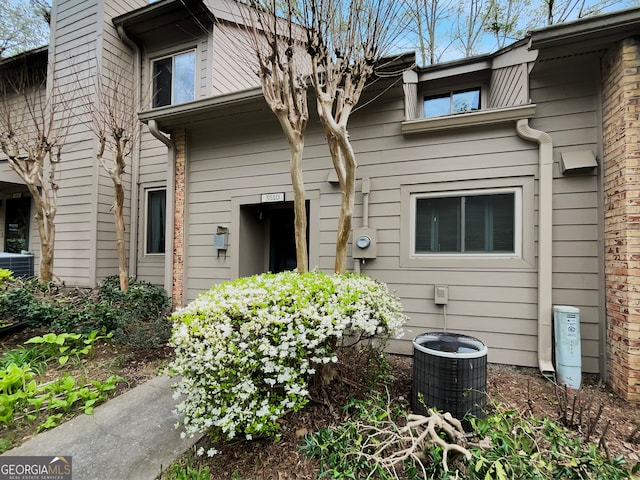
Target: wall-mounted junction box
point(441, 294)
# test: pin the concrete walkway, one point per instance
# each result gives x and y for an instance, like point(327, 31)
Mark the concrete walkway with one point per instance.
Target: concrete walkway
point(131, 437)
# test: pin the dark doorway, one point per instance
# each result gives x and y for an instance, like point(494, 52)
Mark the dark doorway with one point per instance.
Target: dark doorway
point(16, 225)
point(282, 236)
point(282, 241)
point(267, 240)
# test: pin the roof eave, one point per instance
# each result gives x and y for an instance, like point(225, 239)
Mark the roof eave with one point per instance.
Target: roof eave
point(605, 27)
point(173, 116)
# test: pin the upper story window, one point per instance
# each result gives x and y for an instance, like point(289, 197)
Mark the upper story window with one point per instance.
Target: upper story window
point(174, 79)
point(476, 222)
point(455, 101)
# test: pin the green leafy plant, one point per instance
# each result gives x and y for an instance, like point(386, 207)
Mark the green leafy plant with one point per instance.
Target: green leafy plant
point(246, 349)
point(518, 446)
point(65, 345)
point(185, 472)
point(6, 276)
point(23, 355)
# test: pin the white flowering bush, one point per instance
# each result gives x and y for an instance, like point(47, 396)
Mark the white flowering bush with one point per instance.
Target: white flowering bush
point(246, 349)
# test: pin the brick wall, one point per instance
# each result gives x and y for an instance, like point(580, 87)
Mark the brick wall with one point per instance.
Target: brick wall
point(179, 142)
point(621, 150)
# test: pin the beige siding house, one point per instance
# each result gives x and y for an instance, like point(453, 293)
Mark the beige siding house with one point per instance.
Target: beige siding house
point(509, 180)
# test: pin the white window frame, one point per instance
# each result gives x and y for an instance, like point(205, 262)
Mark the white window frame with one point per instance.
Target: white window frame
point(517, 221)
point(172, 56)
point(147, 191)
point(524, 222)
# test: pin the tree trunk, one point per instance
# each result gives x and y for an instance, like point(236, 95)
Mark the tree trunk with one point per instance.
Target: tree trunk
point(299, 204)
point(347, 191)
point(47, 232)
point(344, 162)
point(118, 213)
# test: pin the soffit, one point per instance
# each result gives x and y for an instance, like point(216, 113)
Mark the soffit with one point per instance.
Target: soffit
point(198, 112)
point(166, 21)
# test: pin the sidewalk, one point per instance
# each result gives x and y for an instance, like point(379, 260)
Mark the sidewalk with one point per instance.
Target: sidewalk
point(131, 437)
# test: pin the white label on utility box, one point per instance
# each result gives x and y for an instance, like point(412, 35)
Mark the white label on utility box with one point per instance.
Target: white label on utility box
point(572, 326)
point(272, 197)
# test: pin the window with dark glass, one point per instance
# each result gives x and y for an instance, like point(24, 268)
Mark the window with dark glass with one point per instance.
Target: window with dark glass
point(156, 215)
point(465, 224)
point(174, 79)
point(457, 101)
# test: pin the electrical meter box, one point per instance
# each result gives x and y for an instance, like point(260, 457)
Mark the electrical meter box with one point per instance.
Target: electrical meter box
point(364, 243)
point(566, 327)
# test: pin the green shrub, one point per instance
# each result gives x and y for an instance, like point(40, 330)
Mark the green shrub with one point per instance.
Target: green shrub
point(20, 302)
point(137, 317)
point(525, 447)
point(245, 349)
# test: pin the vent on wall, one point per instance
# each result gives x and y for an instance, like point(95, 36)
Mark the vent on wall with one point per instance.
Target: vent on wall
point(583, 161)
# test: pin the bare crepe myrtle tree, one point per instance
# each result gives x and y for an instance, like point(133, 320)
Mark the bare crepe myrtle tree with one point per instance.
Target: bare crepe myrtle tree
point(427, 19)
point(346, 39)
point(274, 43)
point(333, 45)
point(33, 130)
point(114, 122)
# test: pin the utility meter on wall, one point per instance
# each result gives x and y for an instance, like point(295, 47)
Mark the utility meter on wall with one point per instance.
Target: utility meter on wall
point(364, 243)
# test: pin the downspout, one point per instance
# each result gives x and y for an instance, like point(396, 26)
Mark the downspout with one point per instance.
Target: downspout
point(545, 226)
point(135, 159)
point(171, 167)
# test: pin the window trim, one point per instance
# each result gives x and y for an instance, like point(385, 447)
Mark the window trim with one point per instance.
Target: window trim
point(517, 221)
point(525, 223)
point(173, 55)
point(146, 253)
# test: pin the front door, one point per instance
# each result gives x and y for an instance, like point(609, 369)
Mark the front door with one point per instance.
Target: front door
point(16, 227)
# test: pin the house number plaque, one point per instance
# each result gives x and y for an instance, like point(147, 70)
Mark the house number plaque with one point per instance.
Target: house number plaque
point(272, 197)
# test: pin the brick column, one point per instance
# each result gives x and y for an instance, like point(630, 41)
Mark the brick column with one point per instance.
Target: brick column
point(621, 150)
point(179, 141)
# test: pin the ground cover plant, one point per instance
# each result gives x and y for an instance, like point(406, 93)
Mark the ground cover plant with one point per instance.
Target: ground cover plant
point(524, 417)
point(137, 317)
point(246, 350)
point(79, 347)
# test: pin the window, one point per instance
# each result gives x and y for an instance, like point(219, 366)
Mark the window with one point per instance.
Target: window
point(174, 79)
point(457, 101)
point(478, 222)
point(156, 215)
